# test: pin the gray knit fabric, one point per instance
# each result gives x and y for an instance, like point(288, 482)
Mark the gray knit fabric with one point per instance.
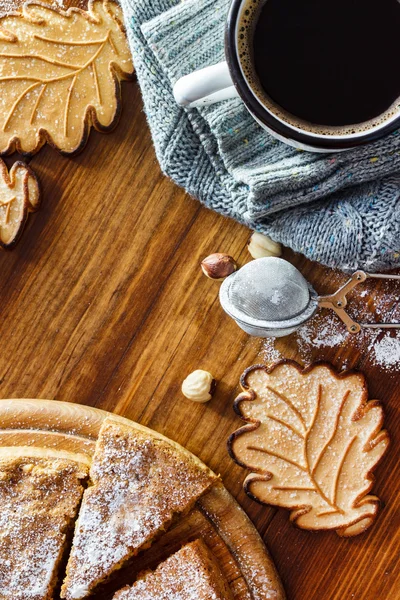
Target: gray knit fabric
point(339, 209)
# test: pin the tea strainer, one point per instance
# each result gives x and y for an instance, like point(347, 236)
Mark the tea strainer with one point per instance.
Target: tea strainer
point(269, 297)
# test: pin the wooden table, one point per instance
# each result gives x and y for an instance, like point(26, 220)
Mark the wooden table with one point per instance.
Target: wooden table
point(104, 303)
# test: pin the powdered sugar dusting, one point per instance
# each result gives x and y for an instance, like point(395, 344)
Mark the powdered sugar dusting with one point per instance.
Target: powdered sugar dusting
point(38, 499)
point(387, 352)
point(269, 354)
point(190, 574)
point(327, 335)
point(372, 301)
point(257, 578)
point(316, 339)
point(9, 6)
point(139, 483)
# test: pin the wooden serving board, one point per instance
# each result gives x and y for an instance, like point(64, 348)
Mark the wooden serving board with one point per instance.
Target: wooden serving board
point(63, 427)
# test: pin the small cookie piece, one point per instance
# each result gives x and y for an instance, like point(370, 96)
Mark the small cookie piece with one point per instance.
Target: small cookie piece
point(19, 195)
point(60, 74)
point(190, 574)
point(312, 440)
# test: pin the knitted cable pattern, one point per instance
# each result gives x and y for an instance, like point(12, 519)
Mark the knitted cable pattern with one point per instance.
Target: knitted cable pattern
point(340, 209)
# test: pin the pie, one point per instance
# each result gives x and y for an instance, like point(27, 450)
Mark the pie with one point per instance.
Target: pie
point(190, 574)
point(140, 481)
point(39, 499)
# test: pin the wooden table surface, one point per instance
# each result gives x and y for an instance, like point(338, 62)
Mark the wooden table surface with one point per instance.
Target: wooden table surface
point(104, 303)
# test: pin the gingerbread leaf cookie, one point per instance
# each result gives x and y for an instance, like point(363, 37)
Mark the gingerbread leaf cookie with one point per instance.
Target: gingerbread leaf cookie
point(60, 74)
point(312, 440)
point(19, 195)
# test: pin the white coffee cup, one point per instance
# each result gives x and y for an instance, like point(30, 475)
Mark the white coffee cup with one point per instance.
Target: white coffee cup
point(228, 80)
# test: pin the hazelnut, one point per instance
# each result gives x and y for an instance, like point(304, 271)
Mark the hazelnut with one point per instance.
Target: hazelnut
point(199, 386)
point(218, 266)
point(261, 246)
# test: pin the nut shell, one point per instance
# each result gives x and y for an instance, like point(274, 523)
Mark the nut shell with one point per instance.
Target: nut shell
point(261, 246)
point(218, 266)
point(198, 386)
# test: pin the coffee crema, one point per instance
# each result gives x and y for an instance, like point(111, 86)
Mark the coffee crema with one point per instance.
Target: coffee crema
point(329, 67)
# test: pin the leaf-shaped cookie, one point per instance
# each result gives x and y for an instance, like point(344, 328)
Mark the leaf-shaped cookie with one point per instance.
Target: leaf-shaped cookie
point(19, 195)
point(60, 74)
point(312, 440)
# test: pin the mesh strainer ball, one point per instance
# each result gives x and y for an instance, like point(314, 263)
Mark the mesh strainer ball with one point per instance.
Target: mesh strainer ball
point(268, 297)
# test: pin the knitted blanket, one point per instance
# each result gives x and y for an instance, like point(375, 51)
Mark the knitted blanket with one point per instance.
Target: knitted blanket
point(340, 209)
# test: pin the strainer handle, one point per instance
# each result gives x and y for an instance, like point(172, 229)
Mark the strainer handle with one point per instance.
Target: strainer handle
point(352, 326)
point(380, 325)
point(338, 299)
point(338, 302)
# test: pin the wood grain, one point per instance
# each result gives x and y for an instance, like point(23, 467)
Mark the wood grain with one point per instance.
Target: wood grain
point(103, 303)
point(68, 430)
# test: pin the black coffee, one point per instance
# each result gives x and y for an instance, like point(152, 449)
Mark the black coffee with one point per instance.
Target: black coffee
point(329, 62)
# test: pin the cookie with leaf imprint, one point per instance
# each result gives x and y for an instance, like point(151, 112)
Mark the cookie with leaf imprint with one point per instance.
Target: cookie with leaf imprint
point(312, 440)
point(60, 75)
point(19, 196)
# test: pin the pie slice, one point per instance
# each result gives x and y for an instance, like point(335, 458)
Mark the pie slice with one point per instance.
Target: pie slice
point(39, 500)
point(140, 482)
point(191, 574)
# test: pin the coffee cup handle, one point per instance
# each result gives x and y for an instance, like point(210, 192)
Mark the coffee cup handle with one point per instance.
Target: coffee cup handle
point(205, 86)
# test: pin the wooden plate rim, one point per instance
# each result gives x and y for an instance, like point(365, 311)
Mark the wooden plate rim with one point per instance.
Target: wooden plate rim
point(20, 415)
